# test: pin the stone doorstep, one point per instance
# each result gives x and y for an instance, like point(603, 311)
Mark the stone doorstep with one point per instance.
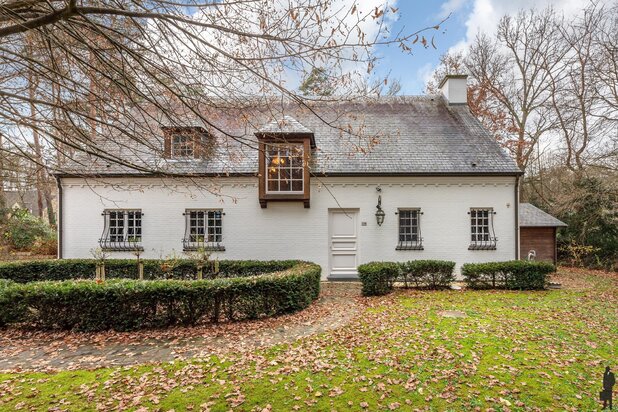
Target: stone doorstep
point(341, 288)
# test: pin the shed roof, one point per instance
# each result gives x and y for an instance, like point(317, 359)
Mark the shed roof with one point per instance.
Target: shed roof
point(532, 216)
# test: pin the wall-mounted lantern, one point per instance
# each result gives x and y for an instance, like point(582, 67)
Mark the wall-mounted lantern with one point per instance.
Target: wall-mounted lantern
point(379, 212)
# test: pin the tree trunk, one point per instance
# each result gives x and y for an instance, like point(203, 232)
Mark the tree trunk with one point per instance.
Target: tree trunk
point(32, 84)
point(51, 213)
point(42, 188)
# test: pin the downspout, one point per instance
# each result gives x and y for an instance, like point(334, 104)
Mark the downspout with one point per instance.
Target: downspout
point(517, 257)
point(60, 213)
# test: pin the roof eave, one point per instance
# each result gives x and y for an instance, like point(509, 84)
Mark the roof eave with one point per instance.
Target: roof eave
point(252, 174)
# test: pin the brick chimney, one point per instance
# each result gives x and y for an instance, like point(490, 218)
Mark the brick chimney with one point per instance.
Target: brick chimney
point(454, 87)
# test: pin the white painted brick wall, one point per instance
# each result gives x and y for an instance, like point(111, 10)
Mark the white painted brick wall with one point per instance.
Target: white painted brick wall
point(287, 230)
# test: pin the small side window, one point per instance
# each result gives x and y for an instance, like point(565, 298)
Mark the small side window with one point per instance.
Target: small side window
point(122, 229)
point(184, 143)
point(482, 234)
point(203, 230)
point(410, 230)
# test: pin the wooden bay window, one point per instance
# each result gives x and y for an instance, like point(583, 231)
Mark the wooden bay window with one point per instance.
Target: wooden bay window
point(284, 168)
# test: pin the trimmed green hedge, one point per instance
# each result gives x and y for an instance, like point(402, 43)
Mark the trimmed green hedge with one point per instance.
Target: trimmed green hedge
point(515, 274)
point(67, 269)
point(378, 278)
point(122, 305)
point(430, 274)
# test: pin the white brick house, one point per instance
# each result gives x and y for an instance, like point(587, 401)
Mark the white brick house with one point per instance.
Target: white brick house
point(447, 190)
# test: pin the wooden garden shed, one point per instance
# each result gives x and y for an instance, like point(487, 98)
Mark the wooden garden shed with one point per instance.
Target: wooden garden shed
point(537, 232)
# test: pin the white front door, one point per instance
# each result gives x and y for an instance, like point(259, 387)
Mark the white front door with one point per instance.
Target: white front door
point(343, 243)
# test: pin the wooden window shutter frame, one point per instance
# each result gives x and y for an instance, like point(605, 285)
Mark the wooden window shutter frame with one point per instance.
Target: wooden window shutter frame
point(167, 144)
point(197, 144)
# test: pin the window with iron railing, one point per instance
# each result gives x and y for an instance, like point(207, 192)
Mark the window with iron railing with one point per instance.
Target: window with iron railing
point(122, 230)
point(203, 230)
point(482, 234)
point(410, 230)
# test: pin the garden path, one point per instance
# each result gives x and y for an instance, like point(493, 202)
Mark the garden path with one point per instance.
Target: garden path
point(338, 304)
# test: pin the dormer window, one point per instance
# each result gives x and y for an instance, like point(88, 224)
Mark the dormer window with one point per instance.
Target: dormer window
point(284, 168)
point(183, 143)
point(284, 155)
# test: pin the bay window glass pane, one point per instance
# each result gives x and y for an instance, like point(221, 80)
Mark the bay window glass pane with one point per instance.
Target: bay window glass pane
point(285, 171)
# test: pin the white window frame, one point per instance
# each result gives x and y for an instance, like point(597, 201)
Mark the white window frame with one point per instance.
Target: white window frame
point(482, 236)
point(207, 244)
point(267, 158)
point(410, 244)
point(123, 241)
point(190, 144)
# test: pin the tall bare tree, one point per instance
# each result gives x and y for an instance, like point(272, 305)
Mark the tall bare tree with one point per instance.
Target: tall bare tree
point(104, 68)
point(450, 63)
point(576, 98)
point(513, 74)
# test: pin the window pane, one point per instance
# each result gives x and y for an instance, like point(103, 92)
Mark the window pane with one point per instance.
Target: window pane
point(297, 174)
point(182, 145)
point(284, 166)
point(285, 186)
point(124, 226)
point(297, 185)
point(204, 228)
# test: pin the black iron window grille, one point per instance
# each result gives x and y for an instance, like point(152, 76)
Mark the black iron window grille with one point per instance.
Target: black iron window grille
point(203, 230)
point(410, 230)
point(482, 234)
point(122, 230)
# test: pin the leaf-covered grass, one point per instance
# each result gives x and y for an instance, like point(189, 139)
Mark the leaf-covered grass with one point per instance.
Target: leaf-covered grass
point(514, 351)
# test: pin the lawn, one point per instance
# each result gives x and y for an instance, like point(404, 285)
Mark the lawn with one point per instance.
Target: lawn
point(514, 351)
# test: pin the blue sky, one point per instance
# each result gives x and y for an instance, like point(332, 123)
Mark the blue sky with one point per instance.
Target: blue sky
point(468, 17)
point(411, 69)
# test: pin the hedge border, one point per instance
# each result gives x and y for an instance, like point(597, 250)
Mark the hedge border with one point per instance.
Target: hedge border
point(124, 305)
point(70, 269)
point(378, 278)
point(513, 275)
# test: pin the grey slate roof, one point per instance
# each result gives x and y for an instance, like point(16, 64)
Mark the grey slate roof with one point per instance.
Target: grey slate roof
point(532, 216)
point(401, 135)
point(285, 124)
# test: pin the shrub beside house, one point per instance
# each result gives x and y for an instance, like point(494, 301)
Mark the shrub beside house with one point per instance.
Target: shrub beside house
point(257, 290)
point(379, 278)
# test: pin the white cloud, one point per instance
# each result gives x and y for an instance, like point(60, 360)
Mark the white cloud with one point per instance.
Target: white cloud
point(450, 6)
point(424, 73)
point(485, 14)
point(346, 23)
